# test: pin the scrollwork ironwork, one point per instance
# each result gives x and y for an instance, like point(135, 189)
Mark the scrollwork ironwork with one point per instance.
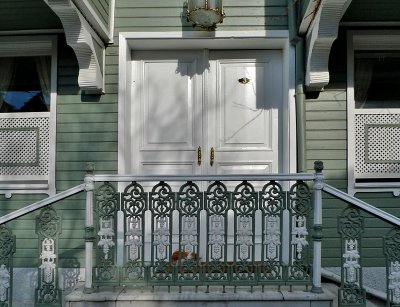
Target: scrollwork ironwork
point(107, 200)
point(48, 228)
point(300, 209)
point(391, 246)
point(7, 249)
point(351, 227)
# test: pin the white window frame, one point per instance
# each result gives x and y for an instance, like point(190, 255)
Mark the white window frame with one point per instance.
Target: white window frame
point(373, 40)
point(226, 40)
point(34, 45)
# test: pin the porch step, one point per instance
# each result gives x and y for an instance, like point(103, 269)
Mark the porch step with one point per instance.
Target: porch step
point(120, 297)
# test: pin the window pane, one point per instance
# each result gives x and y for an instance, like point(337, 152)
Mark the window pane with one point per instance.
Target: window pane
point(25, 84)
point(377, 80)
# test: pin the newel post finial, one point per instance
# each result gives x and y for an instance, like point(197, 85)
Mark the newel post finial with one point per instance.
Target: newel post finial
point(318, 166)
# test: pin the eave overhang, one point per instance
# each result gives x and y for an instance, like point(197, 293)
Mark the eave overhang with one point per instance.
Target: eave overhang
point(320, 26)
point(89, 48)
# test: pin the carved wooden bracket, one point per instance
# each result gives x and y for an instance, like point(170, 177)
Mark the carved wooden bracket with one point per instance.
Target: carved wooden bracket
point(82, 39)
point(320, 36)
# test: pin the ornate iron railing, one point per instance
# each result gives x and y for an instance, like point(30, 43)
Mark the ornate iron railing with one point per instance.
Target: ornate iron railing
point(351, 228)
point(252, 230)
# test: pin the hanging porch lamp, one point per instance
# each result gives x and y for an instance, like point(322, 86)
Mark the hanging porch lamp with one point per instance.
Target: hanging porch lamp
point(205, 13)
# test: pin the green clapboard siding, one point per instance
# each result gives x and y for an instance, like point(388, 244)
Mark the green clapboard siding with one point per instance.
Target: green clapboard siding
point(27, 15)
point(160, 15)
point(326, 140)
point(102, 9)
point(86, 132)
point(372, 10)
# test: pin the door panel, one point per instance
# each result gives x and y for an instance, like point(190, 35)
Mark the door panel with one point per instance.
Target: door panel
point(238, 117)
point(168, 101)
point(243, 111)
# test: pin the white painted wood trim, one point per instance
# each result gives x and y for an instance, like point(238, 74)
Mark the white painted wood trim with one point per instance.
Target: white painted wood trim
point(273, 39)
point(112, 21)
point(41, 45)
point(90, 14)
point(350, 117)
point(184, 178)
point(361, 204)
point(366, 40)
point(42, 203)
point(320, 36)
point(309, 16)
point(80, 37)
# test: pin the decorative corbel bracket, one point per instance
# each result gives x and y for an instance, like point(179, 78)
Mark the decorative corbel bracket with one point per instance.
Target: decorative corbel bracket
point(320, 37)
point(88, 47)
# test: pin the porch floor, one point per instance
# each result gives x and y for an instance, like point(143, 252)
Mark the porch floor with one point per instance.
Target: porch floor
point(271, 297)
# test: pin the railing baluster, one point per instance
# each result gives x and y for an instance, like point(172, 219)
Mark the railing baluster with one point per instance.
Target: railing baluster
point(162, 204)
point(391, 246)
point(350, 227)
point(107, 201)
point(317, 235)
point(272, 204)
point(7, 249)
point(244, 209)
point(217, 206)
point(299, 211)
point(89, 229)
point(187, 257)
point(134, 206)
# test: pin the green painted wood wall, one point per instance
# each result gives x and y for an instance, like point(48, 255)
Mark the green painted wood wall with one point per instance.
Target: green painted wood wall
point(161, 15)
point(27, 15)
point(102, 9)
point(87, 125)
point(326, 140)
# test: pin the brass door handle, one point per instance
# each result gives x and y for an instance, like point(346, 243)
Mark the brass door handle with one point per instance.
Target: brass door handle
point(199, 155)
point(212, 156)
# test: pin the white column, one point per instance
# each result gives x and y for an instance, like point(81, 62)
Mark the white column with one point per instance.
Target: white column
point(317, 234)
point(89, 238)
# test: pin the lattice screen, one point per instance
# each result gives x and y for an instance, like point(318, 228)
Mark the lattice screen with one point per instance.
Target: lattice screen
point(24, 146)
point(377, 144)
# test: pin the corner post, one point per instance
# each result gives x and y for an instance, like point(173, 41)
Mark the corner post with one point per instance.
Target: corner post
point(89, 227)
point(317, 233)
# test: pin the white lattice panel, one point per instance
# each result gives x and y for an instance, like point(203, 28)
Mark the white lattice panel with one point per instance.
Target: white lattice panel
point(377, 144)
point(18, 147)
point(25, 146)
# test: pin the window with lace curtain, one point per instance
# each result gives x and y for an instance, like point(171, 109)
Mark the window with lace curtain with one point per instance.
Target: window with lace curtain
point(25, 84)
point(28, 67)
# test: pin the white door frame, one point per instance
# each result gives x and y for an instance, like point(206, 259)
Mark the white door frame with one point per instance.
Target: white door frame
point(275, 39)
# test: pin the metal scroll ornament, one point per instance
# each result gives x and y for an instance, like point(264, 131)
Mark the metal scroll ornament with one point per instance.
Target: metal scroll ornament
point(48, 228)
point(300, 209)
point(272, 204)
point(392, 253)
point(134, 206)
point(161, 207)
point(217, 206)
point(106, 217)
point(187, 257)
point(7, 249)
point(244, 208)
point(351, 227)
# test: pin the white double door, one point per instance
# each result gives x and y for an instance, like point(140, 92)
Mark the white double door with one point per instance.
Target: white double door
point(206, 112)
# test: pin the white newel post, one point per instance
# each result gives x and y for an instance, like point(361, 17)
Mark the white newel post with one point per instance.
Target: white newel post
point(89, 228)
point(317, 233)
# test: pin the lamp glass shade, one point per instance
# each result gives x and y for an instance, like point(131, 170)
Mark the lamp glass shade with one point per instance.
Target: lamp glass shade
point(205, 14)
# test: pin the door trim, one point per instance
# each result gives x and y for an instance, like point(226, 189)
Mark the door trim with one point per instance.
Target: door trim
point(275, 39)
